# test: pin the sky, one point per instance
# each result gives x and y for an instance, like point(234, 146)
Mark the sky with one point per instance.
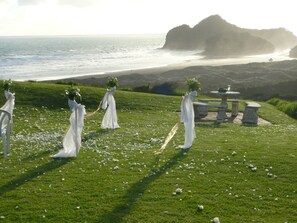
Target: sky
point(91, 17)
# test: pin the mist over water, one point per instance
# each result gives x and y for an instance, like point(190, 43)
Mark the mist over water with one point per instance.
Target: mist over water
point(48, 58)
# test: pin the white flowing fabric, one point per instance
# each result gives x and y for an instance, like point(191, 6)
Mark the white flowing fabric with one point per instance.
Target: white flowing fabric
point(110, 119)
point(9, 104)
point(5, 128)
point(72, 139)
point(187, 117)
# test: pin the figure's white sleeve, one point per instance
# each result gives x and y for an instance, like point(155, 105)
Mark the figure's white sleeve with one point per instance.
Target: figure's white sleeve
point(104, 101)
point(184, 114)
point(8, 106)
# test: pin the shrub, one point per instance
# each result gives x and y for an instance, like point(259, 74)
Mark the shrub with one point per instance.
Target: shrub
point(168, 88)
point(290, 108)
point(142, 88)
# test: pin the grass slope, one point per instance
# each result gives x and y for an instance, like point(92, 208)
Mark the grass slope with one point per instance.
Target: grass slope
point(118, 178)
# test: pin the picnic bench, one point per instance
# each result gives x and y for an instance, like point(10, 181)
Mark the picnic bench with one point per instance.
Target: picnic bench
point(235, 105)
point(250, 113)
point(201, 110)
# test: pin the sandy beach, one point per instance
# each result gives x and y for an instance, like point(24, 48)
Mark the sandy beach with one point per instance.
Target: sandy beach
point(261, 77)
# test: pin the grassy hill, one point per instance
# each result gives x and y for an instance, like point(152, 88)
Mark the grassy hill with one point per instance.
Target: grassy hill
point(118, 178)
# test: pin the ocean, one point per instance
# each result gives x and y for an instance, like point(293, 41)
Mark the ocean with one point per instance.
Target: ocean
point(56, 57)
point(48, 58)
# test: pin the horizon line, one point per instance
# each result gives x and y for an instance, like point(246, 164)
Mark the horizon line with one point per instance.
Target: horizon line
point(102, 34)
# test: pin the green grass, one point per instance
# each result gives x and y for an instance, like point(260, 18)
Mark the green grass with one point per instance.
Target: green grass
point(118, 178)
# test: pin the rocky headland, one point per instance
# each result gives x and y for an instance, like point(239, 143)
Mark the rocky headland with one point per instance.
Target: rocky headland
point(217, 37)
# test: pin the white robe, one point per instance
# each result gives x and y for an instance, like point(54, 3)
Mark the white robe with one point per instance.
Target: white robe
point(9, 104)
point(72, 139)
point(110, 119)
point(5, 133)
point(187, 117)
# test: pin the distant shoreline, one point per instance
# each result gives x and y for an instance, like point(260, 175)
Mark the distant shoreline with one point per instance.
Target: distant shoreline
point(149, 74)
point(260, 80)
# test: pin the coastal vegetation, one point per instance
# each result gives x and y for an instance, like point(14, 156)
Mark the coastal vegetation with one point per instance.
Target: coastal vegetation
point(234, 172)
point(288, 107)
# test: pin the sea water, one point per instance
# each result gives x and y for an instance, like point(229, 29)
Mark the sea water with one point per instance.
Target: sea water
point(57, 57)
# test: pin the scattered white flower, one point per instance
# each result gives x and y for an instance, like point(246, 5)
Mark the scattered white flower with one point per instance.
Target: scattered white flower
point(154, 140)
point(234, 153)
point(174, 193)
point(216, 220)
point(254, 169)
point(2, 217)
point(178, 190)
point(116, 168)
point(200, 207)
point(251, 165)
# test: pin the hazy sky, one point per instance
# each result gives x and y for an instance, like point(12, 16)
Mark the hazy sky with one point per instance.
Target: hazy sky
point(71, 17)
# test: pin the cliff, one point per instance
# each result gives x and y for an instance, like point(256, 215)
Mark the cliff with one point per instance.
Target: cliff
point(293, 52)
point(236, 44)
point(215, 28)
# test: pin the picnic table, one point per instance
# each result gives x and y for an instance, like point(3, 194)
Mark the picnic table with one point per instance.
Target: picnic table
point(224, 98)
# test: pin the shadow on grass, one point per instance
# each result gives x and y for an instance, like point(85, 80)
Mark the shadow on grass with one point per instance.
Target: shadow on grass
point(209, 125)
point(96, 134)
point(249, 125)
point(40, 155)
point(136, 190)
point(13, 184)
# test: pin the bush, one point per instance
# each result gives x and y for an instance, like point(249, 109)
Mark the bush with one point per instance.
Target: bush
point(142, 88)
point(290, 108)
point(167, 88)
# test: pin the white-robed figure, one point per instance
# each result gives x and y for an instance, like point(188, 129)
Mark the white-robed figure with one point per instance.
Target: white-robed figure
point(6, 120)
point(10, 102)
point(110, 118)
point(187, 117)
point(72, 139)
